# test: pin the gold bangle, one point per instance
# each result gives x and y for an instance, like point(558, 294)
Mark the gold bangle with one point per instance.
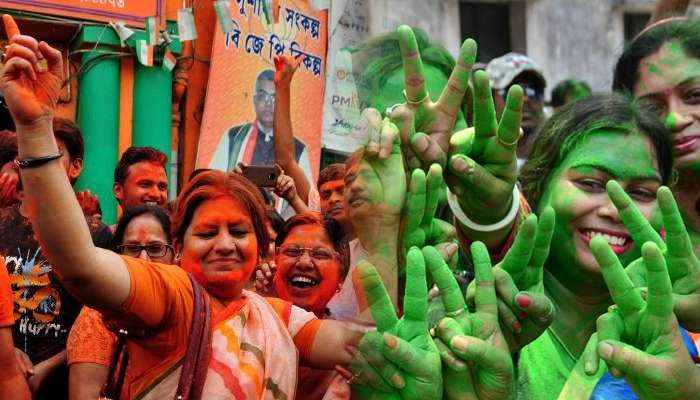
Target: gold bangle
point(416, 103)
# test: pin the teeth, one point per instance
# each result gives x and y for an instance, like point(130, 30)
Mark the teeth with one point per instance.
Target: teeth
point(151, 203)
point(613, 240)
point(303, 281)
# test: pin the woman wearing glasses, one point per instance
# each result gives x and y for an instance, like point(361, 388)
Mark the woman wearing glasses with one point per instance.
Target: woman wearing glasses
point(143, 232)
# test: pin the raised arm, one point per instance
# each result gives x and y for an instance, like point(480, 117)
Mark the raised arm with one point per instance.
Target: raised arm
point(96, 277)
point(282, 125)
point(668, 8)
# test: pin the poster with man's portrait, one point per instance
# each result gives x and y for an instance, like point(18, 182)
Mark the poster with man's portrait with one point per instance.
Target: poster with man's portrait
point(237, 125)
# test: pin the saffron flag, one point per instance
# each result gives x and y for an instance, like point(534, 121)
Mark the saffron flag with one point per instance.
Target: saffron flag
point(152, 30)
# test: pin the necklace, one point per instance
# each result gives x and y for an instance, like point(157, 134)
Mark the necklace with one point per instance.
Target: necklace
point(561, 343)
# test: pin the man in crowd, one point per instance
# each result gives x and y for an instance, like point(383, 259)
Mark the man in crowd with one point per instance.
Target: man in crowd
point(140, 178)
point(511, 69)
point(43, 310)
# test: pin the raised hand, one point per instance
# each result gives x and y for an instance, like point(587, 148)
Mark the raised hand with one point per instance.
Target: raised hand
point(31, 91)
point(472, 346)
point(401, 351)
point(285, 66)
point(524, 310)
point(285, 188)
point(429, 125)
point(89, 203)
point(639, 340)
point(421, 228)
point(264, 278)
point(482, 166)
point(683, 264)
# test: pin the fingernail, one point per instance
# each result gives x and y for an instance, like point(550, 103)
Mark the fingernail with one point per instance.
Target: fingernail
point(589, 368)
point(390, 340)
point(460, 344)
point(522, 315)
point(421, 143)
point(398, 381)
point(382, 153)
point(605, 350)
point(451, 249)
point(523, 300)
point(460, 165)
point(516, 327)
point(432, 332)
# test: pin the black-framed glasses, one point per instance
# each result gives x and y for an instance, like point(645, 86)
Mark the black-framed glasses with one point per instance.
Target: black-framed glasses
point(317, 253)
point(153, 249)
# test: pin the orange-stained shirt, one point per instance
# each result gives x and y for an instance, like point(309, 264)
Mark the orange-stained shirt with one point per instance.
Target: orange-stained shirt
point(160, 303)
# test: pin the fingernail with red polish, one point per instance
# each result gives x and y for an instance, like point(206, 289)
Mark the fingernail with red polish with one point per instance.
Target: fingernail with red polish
point(516, 327)
point(390, 340)
point(523, 300)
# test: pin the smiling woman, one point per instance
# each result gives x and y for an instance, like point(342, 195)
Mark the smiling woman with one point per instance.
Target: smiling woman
point(580, 149)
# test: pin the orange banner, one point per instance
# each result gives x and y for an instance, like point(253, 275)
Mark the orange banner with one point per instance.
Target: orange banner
point(236, 126)
point(133, 12)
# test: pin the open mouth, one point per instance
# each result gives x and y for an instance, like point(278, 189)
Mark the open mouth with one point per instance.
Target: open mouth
point(151, 203)
point(619, 242)
point(302, 282)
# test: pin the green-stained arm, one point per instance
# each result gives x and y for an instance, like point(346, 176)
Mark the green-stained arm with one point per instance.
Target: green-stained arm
point(283, 137)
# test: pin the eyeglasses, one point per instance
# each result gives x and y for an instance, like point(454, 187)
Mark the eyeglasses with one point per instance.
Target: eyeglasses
point(153, 249)
point(318, 253)
point(265, 97)
point(531, 92)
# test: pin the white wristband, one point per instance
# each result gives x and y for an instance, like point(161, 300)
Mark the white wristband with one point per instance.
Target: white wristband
point(462, 217)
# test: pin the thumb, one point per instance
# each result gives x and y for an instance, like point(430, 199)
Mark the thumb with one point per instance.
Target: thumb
point(480, 352)
point(625, 358)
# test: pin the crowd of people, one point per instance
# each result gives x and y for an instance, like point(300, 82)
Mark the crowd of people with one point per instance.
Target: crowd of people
point(472, 249)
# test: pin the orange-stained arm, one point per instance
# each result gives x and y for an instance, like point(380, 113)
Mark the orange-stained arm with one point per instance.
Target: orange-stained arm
point(282, 125)
point(668, 8)
point(96, 277)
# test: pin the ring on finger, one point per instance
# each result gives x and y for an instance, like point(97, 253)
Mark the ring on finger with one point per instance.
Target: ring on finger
point(415, 103)
point(455, 313)
point(514, 142)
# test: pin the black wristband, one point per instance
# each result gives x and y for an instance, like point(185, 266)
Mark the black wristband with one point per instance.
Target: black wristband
point(36, 161)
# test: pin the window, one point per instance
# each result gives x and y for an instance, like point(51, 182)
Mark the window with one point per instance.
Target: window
point(488, 24)
point(634, 23)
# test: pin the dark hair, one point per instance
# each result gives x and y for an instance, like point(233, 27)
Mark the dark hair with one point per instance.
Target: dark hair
point(215, 184)
point(333, 230)
point(134, 155)
point(682, 30)
point(565, 129)
point(564, 89)
point(69, 133)
point(197, 172)
point(130, 213)
point(332, 172)
point(8, 147)
point(376, 58)
point(276, 220)
point(265, 75)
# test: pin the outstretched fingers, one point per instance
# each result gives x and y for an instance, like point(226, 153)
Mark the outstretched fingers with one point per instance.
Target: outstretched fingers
point(415, 301)
point(518, 256)
point(485, 298)
point(378, 300)
point(453, 93)
point(414, 78)
point(677, 239)
point(638, 226)
point(659, 292)
point(11, 28)
point(450, 293)
point(622, 290)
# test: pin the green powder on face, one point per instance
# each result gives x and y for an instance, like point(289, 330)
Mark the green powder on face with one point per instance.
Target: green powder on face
point(653, 69)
